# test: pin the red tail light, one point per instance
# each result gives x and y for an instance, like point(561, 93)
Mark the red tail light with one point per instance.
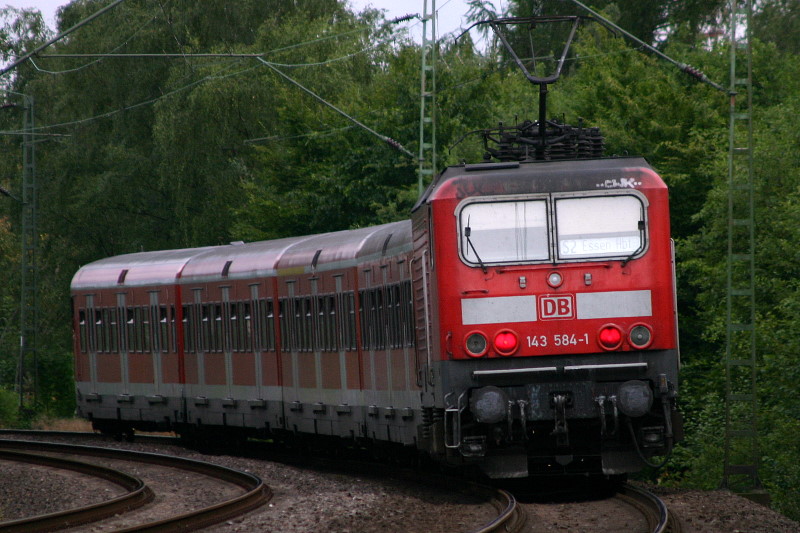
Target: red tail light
point(506, 342)
point(610, 337)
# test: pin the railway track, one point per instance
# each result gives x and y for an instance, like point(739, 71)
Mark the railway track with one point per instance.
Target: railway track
point(598, 508)
point(658, 517)
point(137, 493)
point(511, 515)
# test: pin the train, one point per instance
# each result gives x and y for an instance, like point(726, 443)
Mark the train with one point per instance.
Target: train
point(522, 321)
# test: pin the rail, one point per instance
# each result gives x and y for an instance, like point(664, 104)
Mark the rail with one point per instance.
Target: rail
point(659, 519)
point(137, 494)
point(511, 518)
point(256, 492)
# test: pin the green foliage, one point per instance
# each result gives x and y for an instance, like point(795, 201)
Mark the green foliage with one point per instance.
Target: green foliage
point(9, 408)
point(780, 469)
point(646, 19)
point(9, 300)
point(777, 184)
point(56, 394)
point(697, 461)
point(776, 21)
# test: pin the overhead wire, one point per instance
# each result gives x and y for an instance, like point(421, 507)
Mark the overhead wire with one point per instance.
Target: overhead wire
point(328, 61)
point(274, 66)
point(388, 140)
point(180, 89)
point(224, 55)
point(273, 138)
point(503, 65)
point(113, 50)
point(113, 54)
point(150, 101)
point(18, 61)
point(172, 30)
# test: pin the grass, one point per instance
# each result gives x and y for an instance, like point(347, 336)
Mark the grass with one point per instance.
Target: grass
point(61, 424)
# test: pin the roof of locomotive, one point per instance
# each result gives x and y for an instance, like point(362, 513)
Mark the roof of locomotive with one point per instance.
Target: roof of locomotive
point(292, 255)
point(531, 177)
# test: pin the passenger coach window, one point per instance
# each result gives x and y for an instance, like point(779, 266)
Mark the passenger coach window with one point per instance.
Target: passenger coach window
point(265, 324)
point(189, 329)
point(82, 330)
point(600, 226)
point(504, 232)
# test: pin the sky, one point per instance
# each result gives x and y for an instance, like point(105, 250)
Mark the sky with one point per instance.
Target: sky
point(451, 12)
point(47, 7)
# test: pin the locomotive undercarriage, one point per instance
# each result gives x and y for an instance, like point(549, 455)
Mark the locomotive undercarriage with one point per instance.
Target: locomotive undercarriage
point(518, 447)
point(557, 427)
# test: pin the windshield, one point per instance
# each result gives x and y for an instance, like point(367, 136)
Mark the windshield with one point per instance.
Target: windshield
point(503, 232)
point(606, 226)
point(598, 226)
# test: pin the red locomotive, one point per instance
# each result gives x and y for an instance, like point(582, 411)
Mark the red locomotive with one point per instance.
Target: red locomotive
point(522, 320)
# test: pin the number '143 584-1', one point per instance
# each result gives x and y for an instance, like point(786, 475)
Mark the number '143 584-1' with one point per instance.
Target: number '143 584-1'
point(560, 339)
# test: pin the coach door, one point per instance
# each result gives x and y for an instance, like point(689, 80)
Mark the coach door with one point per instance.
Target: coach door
point(256, 324)
point(89, 339)
point(422, 319)
point(420, 268)
point(158, 330)
point(125, 345)
point(290, 339)
point(226, 333)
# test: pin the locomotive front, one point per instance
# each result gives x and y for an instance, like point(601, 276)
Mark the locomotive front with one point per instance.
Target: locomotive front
point(549, 288)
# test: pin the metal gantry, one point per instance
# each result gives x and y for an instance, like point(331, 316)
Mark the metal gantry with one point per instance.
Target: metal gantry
point(427, 104)
point(741, 463)
point(29, 301)
point(26, 376)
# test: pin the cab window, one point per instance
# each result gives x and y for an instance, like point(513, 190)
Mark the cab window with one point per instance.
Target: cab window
point(599, 227)
point(504, 232)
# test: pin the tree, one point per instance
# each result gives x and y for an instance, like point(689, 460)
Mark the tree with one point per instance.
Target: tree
point(650, 20)
point(778, 22)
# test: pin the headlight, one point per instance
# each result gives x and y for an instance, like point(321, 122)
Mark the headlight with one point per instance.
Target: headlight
point(640, 336)
point(488, 405)
point(634, 398)
point(554, 279)
point(475, 344)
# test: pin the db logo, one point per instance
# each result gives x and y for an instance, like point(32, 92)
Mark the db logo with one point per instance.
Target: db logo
point(556, 307)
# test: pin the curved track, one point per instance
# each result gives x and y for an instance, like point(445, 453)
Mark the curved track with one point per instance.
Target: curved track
point(256, 493)
point(137, 494)
point(659, 519)
point(512, 516)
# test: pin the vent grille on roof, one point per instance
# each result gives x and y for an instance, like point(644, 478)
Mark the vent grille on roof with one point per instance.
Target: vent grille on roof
point(524, 141)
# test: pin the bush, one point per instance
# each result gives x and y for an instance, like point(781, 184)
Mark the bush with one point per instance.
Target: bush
point(9, 408)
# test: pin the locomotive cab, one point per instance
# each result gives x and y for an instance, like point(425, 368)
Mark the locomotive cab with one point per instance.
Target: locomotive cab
point(549, 287)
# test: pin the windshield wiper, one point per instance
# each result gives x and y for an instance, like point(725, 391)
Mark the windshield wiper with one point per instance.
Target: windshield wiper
point(467, 233)
point(627, 259)
point(639, 249)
